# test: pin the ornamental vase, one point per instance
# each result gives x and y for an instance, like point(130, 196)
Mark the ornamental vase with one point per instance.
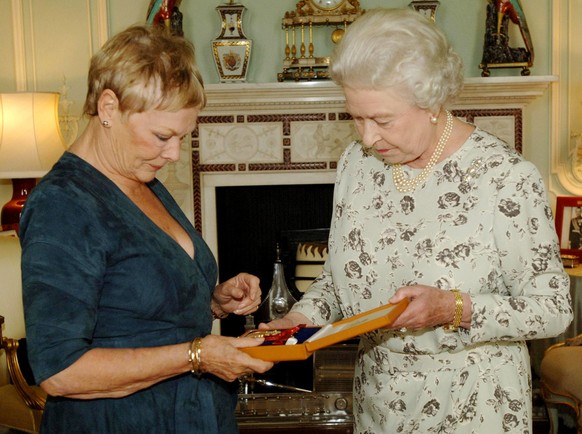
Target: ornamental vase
point(231, 49)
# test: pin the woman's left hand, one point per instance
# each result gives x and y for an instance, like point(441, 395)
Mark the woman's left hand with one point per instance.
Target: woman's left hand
point(221, 356)
point(428, 307)
point(240, 294)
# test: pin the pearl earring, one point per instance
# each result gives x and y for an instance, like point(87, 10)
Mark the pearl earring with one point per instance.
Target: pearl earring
point(105, 124)
point(434, 119)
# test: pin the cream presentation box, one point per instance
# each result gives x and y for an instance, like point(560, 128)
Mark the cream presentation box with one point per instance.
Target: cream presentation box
point(299, 343)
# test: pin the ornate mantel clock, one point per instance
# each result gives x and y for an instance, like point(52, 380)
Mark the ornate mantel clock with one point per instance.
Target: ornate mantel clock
point(300, 62)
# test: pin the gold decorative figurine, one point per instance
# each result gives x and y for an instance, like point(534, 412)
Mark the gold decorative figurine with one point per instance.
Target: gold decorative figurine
point(496, 51)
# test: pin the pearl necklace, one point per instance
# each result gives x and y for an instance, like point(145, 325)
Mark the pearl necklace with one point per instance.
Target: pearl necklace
point(402, 182)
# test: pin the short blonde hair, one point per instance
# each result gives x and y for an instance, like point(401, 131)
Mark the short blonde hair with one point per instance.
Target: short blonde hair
point(400, 49)
point(147, 69)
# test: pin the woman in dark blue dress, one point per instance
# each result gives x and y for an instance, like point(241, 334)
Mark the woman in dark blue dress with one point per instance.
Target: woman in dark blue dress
point(119, 289)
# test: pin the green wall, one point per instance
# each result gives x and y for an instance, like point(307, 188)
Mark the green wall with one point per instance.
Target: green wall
point(463, 21)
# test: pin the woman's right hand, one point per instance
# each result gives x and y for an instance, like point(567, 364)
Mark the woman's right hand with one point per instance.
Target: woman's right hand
point(220, 356)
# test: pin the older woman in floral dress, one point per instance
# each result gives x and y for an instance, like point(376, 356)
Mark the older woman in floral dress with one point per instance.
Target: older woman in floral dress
point(436, 210)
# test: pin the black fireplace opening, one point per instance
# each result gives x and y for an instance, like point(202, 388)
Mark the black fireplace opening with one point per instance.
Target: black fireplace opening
point(251, 221)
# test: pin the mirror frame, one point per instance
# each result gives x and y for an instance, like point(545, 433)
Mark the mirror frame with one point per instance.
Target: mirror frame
point(566, 123)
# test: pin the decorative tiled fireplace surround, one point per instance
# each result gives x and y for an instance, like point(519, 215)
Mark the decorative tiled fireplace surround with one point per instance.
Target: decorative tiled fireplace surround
point(294, 133)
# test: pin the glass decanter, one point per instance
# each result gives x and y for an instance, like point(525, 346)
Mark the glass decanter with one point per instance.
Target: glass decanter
point(279, 299)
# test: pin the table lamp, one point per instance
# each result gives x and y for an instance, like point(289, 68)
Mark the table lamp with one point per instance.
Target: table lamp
point(30, 143)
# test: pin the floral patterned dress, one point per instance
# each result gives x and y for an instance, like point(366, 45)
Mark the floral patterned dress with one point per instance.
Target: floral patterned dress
point(480, 223)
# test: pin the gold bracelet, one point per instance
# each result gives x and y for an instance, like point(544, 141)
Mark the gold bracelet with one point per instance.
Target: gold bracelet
point(458, 312)
point(194, 355)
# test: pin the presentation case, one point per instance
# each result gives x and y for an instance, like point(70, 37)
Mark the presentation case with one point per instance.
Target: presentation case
point(279, 346)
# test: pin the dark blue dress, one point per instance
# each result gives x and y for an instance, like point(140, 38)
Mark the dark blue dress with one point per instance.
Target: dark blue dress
point(97, 272)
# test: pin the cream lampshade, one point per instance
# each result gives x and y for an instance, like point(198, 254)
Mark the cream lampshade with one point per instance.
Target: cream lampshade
point(30, 143)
